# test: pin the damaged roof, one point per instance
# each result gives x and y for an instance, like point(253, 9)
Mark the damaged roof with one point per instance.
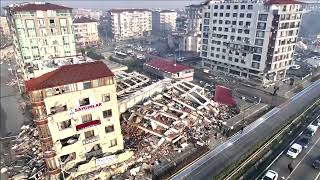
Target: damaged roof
point(69, 74)
point(167, 66)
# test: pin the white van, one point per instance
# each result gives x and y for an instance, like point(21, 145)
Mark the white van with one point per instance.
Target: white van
point(311, 130)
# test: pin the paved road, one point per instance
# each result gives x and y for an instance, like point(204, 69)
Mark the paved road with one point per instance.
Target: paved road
point(11, 115)
point(302, 164)
point(229, 152)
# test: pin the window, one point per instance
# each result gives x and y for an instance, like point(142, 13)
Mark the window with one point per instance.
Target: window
point(106, 97)
point(239, 30)
point(84, 101)
point(52, 23)
point(227, 14)
point(206, 21)
point(230, 58)
point(221, 14)
point(218, 49)
point(241, 15)
point(113, 142)
point(107, 113)
point(227, 22)
point(248, 24)
point(234, 22)
point(223, 57)
point(259, 42)
point(235, 7)
point(207, 15)
point(238, 38)
point(109, 129)
point(228, 6)
point(243, 7)
point(87, 85)
point(246, 31)
point(217, 55)
point(64, 124)
point(240, 23)
point(214, 21)
point(220, 29)
point(86, 118)
point(234, 15)
point(233, 30)
point(236, 60)
point(255, 65)
point(221, 7)
point(260, 34)
point(216, 6)
point(250, 6)
point(215, 14)
point(261, 25)
point(226, 29)
point(256, 57)
point(220, 21)
point(249, 15)
point(263, 17)
point(89, 134)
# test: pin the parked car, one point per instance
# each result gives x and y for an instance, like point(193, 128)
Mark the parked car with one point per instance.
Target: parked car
point(270, 175)
point(294, 150)
point(316, 163)
point(304, 141)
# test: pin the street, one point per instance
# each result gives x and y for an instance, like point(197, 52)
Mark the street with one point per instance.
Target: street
point(302, 165)
point(11, 115)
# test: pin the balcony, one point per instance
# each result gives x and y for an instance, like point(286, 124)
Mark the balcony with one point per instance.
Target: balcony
point(88, 124)
point(93, 153)
point(90, 140)
point(57, 109)
point(69, 140)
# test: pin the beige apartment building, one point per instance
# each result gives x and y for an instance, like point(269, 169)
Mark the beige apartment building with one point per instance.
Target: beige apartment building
point(4, 27)
point(77, 117)
point(86, 31)
point(41, 31)
point(164, 21)
point(130, 23)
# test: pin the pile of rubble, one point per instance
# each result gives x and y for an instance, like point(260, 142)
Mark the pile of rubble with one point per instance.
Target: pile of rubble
point(27, 156)
point(169, 123)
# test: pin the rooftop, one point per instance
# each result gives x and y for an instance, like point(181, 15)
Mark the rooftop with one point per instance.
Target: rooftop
point(282, 2)
point(128, 10)
point(167, 66)
point(69, 74)
point(195, 5)
point(84, 19)
point(41, 6)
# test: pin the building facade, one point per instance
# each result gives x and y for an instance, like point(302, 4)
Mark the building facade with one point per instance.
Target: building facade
point(194, 18)
point(184, 42)
point(4, 27)
point(250, 39)
point(41, 31)
point(130, 23)
point(86, 31)
point(90, 13)
point(164, 21)
point(77, 117)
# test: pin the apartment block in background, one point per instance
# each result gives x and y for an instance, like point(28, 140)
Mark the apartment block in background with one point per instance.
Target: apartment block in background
point(4, 27)
point(194, 18)
point(41, 31)
point(86, 31)
point(164, 21)
point(130, 23)
point(250, 39)
point(90, 13)
point(77, 117)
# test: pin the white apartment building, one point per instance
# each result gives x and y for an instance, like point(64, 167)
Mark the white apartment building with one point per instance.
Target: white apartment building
point(86, 31)
point(249, 38)
point(164, 21)
point(4, 27)
point(91, 13)
point(77, 117)
point(130, 23)
point(194, 18)
point(41, 31)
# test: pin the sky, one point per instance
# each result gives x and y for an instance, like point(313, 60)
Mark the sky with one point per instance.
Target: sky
point(108, 4)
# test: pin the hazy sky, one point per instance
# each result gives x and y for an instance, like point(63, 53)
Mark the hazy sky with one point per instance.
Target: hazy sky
point(107, 4)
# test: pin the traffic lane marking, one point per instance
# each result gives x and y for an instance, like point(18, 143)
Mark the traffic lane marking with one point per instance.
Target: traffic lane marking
point(304, 156)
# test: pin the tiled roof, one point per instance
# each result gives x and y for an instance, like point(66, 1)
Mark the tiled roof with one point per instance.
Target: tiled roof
point(35, 7)
point(69, 74)
point(128, 10)
point(282, 2)
point(84, 19)
point(167, 66)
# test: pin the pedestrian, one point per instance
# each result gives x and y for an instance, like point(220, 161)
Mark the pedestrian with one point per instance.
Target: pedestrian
point(290, 168)
point(241, 129)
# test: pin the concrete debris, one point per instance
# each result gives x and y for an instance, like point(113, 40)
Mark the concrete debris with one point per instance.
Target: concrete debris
point(27, 159)
point(179, 119)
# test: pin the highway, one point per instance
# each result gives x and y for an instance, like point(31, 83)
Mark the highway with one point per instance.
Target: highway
point(213, 163)
point(302, 168)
